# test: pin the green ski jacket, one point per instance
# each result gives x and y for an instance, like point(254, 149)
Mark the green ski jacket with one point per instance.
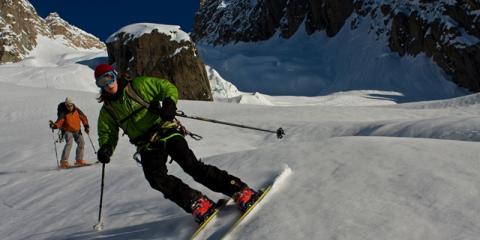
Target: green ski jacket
point(150, 89)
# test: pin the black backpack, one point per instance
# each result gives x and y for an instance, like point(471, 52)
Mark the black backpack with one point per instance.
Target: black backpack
point(61, 113)
point(61, 110)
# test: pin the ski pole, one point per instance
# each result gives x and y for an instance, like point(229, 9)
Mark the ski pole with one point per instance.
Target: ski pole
point(99, 225)
point(280, 132)
point(92, 143)
point(55, 144)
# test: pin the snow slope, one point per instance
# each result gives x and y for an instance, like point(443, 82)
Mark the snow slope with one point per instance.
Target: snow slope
point(342, 185)
point(361, 166)
point(54, 65)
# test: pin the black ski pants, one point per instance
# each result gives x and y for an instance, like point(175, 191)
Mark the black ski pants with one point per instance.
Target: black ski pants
point(155, 169)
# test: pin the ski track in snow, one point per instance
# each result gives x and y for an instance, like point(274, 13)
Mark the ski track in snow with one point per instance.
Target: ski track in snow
point(230, 213)
point(278, 183)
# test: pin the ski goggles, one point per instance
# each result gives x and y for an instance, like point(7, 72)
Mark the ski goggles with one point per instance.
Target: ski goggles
point(106, 79)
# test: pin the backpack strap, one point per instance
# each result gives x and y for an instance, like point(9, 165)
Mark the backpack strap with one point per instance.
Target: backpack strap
point(116, 118)
point(134, 95)
point(130, 91)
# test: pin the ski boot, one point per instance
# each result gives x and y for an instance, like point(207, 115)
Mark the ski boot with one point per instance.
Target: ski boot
point(245, 198)
point(202, 208)
point(80, 162)
point(64, 164)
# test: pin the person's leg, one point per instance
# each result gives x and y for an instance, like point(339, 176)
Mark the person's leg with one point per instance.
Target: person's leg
point(155, 170)
point(68, 146)
point(80, 146)
point(210, 176)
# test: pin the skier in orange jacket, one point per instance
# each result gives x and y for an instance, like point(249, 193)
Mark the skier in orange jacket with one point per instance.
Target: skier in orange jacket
point(69, 119)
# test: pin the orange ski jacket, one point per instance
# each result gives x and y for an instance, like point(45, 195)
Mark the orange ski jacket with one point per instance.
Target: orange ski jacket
point(70, 121)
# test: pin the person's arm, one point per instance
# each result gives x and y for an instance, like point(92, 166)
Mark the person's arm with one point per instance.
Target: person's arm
point(166, 93)
point(167, 90)
point(107, 136)
point(107, 129)
point(58, 123)
point(154, 89)
point(84, 120)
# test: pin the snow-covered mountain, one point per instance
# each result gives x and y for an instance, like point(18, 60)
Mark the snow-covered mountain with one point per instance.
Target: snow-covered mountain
point(21, 27)
point(53, 64)
point(227, 21)
point(355, 44)
point(73, 36)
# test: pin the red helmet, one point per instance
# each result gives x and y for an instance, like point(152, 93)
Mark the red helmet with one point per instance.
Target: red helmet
point(102, 68)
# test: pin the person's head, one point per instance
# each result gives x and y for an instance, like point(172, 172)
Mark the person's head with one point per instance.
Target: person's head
point(69, 104)
point(106, 78)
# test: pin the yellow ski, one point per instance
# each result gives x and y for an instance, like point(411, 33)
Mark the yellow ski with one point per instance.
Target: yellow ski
point(263, 192)
point(202, 226)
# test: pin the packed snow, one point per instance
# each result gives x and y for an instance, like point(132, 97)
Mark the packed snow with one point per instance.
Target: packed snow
point(353, 164)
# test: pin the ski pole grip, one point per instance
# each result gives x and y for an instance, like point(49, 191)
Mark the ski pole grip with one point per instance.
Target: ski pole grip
point(50, 122)
point(280, 133)
point(180, 113)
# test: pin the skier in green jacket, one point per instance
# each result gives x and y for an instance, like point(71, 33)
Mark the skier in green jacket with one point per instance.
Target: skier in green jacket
point(157, 135)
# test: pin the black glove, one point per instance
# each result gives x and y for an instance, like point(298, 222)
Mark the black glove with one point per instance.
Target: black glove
point(104, 154)
point(52, 124)
point(154, 107)
point(87, 129)
point(168, 110)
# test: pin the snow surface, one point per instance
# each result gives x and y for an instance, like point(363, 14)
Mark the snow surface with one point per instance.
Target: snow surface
point(138, 29)
point(357, 165)
point(54, 65)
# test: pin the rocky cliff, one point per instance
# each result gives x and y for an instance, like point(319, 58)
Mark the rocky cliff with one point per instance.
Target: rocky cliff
point(162, 51)
point(74, 36)
point(447, 31)
point(20, 27)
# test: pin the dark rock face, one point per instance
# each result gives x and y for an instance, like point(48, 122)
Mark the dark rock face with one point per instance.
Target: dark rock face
point(447, 31)
point(232, 21)
point(328, 15)
point(75, 37)
point(412, 34)
point(222, 22)
point(155, 54)
point(295, 15)
point(405, 32)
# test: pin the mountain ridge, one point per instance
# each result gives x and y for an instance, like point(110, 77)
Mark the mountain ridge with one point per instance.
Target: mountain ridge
point(20, 27)
point(448, 32)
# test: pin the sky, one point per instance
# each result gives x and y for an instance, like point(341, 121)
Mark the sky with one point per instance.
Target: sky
point(102, 18)
point(344, 170)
